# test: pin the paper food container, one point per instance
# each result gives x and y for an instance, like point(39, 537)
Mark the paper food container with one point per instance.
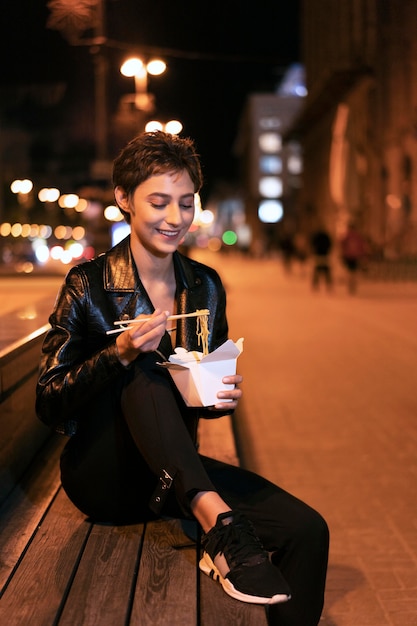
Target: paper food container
point(199, 378)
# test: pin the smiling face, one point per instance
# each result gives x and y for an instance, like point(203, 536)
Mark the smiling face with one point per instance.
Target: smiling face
point(161, 212)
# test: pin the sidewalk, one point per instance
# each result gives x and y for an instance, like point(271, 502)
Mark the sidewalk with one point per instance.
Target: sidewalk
point(330, 413)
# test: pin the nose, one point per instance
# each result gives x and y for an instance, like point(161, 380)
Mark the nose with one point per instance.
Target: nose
point(173, 214)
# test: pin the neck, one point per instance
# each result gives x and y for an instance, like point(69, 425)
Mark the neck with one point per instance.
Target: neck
point(150, 266)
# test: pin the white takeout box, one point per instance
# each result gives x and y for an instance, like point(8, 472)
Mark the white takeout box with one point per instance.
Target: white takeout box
point(199, 378)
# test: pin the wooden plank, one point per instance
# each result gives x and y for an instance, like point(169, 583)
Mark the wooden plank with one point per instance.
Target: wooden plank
point(23, 510)
point(166, 590)
point(35, 593)
point(219, 609)
point(21, 435)
point(102, 588)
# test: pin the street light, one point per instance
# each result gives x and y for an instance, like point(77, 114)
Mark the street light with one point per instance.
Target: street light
point(22, 189)
point(137, 69)
point(174, 127)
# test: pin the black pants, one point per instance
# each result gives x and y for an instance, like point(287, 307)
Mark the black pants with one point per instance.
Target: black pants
point(155, 434)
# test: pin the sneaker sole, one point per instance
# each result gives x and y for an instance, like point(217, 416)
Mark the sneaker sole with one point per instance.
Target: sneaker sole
point(207, 566)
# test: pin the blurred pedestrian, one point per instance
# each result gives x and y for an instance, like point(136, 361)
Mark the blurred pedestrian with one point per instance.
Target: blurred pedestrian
point(132, 452)
point(287, 248)
point(353, 250)
point(302, 251)
point(321, 245)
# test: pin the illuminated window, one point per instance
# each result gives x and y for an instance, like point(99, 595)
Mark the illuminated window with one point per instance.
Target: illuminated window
point(270, 187)
point(295, 164)
point(270, 142)
point(270, 211)
point(270, 164)
point(269, 122)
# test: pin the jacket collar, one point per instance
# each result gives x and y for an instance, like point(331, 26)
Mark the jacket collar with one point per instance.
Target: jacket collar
point(119, 272)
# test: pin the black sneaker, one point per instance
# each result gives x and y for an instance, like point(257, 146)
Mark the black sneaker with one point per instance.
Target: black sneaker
point(247, 573)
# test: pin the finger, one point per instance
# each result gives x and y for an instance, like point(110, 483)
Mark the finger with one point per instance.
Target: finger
point(157, 317)
point(156, 322)
point(236, 379)
point(225, 406)
point(234, 392)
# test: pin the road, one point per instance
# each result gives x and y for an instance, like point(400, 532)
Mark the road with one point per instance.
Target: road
point(330, 413)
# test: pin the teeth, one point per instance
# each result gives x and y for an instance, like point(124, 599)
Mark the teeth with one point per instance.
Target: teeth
point(168, 233)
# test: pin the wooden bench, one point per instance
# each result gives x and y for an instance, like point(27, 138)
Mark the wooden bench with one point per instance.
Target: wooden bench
point(59, 568)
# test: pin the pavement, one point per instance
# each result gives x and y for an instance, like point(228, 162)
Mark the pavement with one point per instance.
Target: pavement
point(330, 413)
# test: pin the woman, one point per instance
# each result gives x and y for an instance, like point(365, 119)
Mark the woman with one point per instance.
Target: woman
point(132, 450)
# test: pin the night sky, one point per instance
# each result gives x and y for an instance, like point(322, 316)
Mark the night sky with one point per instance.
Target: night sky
point(216, 54)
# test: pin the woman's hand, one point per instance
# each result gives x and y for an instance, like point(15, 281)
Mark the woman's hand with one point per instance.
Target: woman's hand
point(142, 337)
point(231, 396)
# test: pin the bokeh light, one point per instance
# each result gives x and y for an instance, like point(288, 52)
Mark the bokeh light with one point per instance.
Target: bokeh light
point(229, 238)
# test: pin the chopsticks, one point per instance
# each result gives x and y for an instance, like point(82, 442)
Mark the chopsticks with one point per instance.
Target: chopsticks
point(127, 324)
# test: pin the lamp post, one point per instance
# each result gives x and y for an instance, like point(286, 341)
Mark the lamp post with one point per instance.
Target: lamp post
point(137, 69)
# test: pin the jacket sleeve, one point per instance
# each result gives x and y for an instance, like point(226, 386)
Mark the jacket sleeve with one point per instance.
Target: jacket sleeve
point(73, 368)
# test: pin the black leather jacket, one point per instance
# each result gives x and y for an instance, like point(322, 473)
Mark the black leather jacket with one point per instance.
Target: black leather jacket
point(79, 361)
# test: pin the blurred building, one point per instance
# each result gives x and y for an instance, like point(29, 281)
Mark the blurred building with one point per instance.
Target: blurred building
point(358, 125)
point(271, 170)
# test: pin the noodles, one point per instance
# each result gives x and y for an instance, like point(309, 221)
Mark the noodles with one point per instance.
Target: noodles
point(203, 331)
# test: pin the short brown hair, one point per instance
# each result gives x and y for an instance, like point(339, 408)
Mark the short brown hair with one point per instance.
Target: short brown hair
point(154, 153)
